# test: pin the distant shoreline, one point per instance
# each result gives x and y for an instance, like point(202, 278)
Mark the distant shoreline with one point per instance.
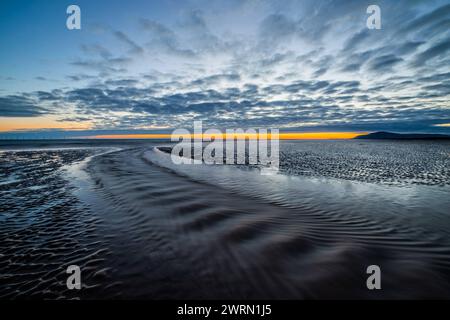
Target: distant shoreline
point(402, 136)
point(379, 135)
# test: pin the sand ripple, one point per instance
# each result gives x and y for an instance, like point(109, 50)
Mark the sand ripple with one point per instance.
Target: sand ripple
point(142, 229)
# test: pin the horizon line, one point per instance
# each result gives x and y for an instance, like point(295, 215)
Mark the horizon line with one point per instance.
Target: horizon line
point(225, 136)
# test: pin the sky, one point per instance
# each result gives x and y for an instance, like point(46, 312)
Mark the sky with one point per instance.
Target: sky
point(139, 67)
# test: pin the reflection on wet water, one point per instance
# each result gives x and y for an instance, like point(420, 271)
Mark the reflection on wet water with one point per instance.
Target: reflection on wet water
point(141, 227)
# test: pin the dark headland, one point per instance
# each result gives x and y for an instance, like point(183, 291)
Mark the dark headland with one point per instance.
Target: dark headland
point(403, 136)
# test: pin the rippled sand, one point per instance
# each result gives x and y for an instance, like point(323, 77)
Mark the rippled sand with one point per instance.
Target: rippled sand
point(140, 227)
point(44, 227)
point(386, 162)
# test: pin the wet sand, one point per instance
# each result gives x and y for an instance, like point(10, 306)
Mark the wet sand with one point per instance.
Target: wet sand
point(140, 228)
point(44, 227)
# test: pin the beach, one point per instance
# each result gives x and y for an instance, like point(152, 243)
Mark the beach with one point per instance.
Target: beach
point(142, 227)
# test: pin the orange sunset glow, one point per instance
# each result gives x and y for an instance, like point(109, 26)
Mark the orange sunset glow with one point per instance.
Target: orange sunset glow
point(282, 136)
point(39, 123)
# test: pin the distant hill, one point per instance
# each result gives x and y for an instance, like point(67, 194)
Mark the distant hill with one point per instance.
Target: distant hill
point(404, 136)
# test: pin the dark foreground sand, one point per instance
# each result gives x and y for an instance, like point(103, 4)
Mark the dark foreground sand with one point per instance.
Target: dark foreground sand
point(138, 229)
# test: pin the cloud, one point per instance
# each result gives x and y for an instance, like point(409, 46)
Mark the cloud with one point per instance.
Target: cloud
point(425, 20)
point(356, 40)
point(104, 67)
point(122, 82)
point(101, 60)
point(96, 49)
point(20, 106)
point(216, 78)
point(438, 50)
point(409, 47)
point(165, 39)
point(134, 47)
point(81, 77)
point(276, 28)
point(266, 63)
point(384, 63)
point(299, 101)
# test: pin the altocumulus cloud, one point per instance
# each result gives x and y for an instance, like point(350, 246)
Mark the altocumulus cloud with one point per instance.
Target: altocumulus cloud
point(299, 64)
